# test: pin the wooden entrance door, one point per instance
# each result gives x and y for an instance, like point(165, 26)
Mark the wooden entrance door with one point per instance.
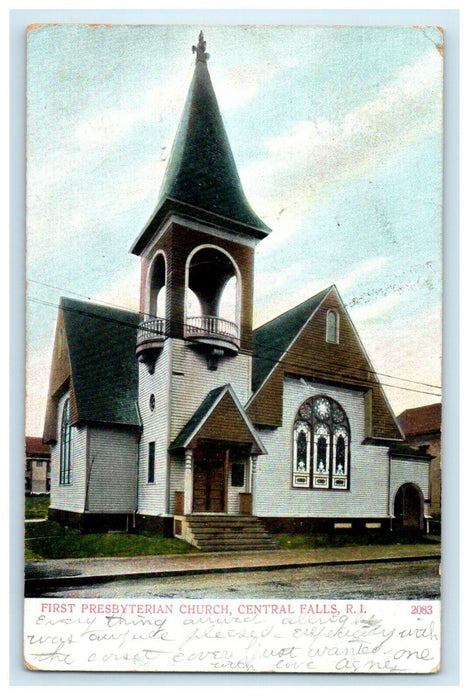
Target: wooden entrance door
point(209, 481)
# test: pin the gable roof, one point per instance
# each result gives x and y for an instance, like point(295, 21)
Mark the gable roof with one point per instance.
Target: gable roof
point(420, 420)
point(295, 343)
point(207, 409)
point(271, 340)
point(102, 369)
point(105, 384)
point(35, 446)
point(201, 179)
point(198, 418)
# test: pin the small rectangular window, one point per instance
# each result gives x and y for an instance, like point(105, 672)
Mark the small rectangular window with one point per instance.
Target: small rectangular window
point(237, 474)
point(151, 462)
point(332, 327)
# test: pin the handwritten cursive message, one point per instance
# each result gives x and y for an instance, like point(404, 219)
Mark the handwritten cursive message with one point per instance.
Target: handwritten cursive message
point(300, 636)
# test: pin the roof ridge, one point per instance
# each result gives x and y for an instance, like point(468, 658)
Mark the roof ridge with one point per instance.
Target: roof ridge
point(288, 311)
point(68, 304)
point(420, 408)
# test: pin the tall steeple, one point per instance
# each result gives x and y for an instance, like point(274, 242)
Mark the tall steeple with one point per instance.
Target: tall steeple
point(201, 180)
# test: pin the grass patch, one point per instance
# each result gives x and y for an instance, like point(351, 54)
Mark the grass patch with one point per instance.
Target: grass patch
point(292, 541)
point(49, 540)
point(36, 507)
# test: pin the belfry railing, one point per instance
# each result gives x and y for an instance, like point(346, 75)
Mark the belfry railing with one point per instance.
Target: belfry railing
point(151, 329)
point(151, 334)
point(212, 326)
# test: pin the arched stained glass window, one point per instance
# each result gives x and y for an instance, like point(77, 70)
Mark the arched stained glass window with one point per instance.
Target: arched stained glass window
point(301, 454)
point(332, 326)
point(65, 444)
point(340, 459)
point(321, 445)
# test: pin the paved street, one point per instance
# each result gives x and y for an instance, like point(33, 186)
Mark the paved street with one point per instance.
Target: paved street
point(390, 580)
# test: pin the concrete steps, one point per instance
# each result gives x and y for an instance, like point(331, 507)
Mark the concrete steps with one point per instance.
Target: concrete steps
point(228, 533)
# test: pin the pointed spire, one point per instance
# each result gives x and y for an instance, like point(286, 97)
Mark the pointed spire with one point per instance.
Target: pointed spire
point(201, 179)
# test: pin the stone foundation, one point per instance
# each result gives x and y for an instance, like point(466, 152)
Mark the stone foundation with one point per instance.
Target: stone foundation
point(326, 525)
point(93, 522)
point(153, 525)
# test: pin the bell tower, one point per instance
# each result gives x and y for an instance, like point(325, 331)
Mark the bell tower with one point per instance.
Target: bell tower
point(197, 249)
point(195, 335)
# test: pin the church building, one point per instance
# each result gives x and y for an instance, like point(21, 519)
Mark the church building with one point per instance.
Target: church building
point(184, 419)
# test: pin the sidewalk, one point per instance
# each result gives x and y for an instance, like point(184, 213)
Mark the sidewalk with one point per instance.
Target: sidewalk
point(68, 572)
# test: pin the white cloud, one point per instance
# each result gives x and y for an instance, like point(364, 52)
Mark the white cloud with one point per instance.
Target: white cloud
point(411, 350)
point(312, 155)
point(106, 127)
point(241, 84)
point(361, 273)
point(272, 299)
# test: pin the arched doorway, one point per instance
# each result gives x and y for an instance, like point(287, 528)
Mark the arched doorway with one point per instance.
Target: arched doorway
point(408, 508)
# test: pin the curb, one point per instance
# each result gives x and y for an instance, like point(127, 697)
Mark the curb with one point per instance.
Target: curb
point(34, 584)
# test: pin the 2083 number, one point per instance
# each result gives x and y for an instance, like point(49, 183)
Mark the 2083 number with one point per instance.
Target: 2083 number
point(421, 610)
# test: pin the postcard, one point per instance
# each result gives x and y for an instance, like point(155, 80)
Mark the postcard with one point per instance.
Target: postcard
point(234, 256)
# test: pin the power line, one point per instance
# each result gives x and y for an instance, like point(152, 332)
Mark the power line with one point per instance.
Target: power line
point(271, 346)
point(292, 367)
point(84, 296)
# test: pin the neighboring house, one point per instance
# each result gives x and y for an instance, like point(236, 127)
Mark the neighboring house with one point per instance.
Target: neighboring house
point(287, 424)
point(422, 428)
point(37, 471)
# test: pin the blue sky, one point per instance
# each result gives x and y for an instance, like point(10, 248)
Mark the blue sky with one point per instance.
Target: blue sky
point(337, 134)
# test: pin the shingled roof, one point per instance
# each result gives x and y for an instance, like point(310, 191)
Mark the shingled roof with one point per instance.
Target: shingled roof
point(198, 417)
point(101, 343)
point(421, 420)
point(272, 339)
point(201, 180)
point(211, 403)
point(35, 446)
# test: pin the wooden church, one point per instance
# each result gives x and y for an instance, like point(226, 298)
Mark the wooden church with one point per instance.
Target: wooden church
point(185, 420)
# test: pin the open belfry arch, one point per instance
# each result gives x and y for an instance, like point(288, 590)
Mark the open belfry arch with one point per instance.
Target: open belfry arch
point(183, 418)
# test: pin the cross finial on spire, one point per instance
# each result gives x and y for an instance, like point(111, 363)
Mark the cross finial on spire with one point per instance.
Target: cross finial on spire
point(200, 49)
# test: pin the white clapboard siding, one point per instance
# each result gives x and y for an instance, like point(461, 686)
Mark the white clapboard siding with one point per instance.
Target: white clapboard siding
point(369, 465)
point(409, 471)
point(38, 476)
point(192, 381)
point(112, 457)
point(152, 497)
point(70, 496)
point(234, 491)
